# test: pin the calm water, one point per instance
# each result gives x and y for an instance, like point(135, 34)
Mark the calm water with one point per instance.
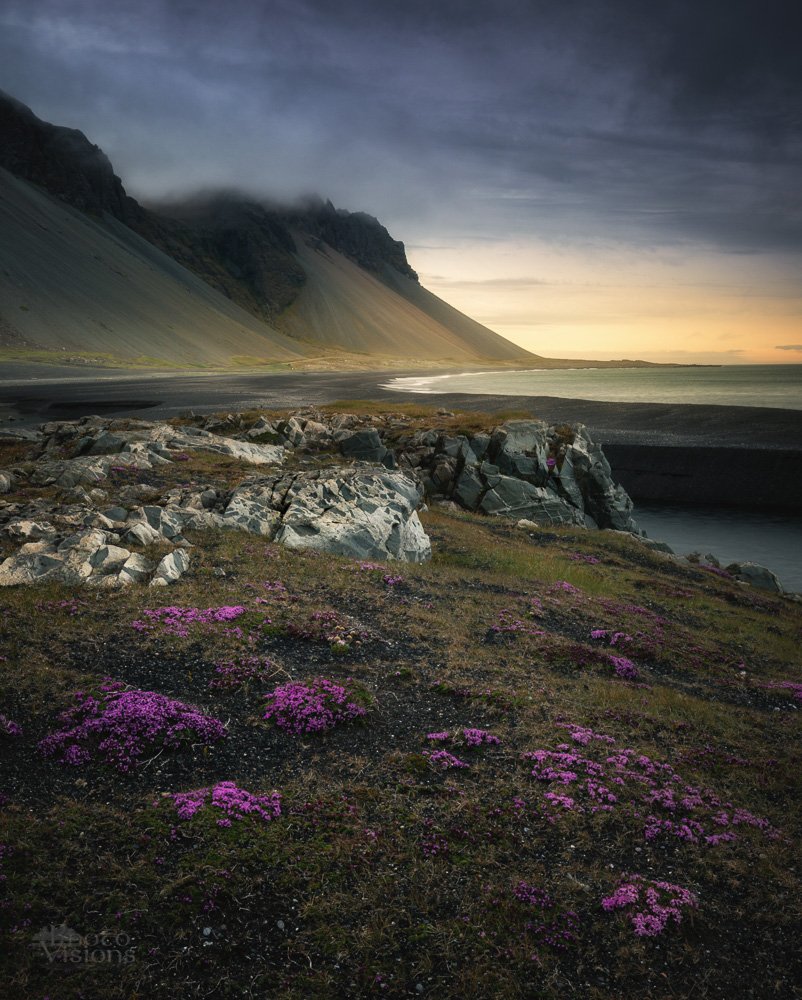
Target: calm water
point(777, 386)
point(730, 535)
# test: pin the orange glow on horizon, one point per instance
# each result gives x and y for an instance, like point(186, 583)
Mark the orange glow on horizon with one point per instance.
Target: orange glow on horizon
point(672, 304)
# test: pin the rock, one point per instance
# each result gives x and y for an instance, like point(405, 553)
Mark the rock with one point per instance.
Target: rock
point(96, 520)
point(251, 509)
point(172, 566)
point(756, 575)
point(6, 482)
point(468, 489)
point(115, 513)
point(28, 530)
point(136, 569)
point(84, 470)
point(142, 534)
point(526, 525)
point(106, 444)
point(364, 515)
point(28, 567)
point(20, 434)
point(365, 446)
point(512, 497)
point(711, 560)
point(109, 559)
point(479, 445)
point(292, 432)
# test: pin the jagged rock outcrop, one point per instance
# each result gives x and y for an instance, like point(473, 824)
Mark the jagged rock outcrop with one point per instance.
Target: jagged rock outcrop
point(362, 504)
point(523, 469)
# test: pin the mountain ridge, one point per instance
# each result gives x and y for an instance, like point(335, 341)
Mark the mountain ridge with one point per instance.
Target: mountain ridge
point(252, 254)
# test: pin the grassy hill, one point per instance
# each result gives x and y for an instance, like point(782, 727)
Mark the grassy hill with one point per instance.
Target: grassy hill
point(629, 827)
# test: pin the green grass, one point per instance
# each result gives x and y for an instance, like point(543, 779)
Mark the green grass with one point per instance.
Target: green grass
point(386, 876)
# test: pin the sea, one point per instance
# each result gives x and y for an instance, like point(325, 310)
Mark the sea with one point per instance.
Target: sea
point(776, 386)
point(773, 540)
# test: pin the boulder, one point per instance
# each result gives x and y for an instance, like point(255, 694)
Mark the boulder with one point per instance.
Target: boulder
point(251, 509)
point(364, 446)
point(468, 489)
point(84, 470)
point(136, 569)
point(24, 530)
point(756, 575)
point(171, 568)
point(6, 482)
point(364, 515)
point(510, 497)
point(109, 559)
point(142, 533)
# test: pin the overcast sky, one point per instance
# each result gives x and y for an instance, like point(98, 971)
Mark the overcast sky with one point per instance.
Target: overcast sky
point(589, 178)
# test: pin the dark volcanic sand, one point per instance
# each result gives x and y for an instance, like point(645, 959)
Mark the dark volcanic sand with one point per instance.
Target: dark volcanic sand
point(34, 393)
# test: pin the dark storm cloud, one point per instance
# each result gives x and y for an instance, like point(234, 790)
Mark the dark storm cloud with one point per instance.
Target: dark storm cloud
point(573, 121)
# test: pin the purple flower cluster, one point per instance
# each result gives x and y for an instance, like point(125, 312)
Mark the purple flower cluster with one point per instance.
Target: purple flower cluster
point(8, 727)
point(233, 674)
point(391, 581)
point(235, 802)
point(583, 735)
point(582, 557)
point(444, 759)
point(532, 895)
point(563, 586)
point(119, 726)
point(439, 737)
point(651, 791)
point(476, 737)
point(624, 668)
point(658, 902)
point(611, 636)
point(177, 621)
point(311, 708)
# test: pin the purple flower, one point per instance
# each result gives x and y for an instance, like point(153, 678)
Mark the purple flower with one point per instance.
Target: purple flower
point(660, 902)
point(311, 708)
point(444, 759)
point(476, 737)
point(236, 803)
point(8, 727)
point(120, 726)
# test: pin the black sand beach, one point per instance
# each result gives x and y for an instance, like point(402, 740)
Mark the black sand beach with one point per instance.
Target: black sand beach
point(734, 455)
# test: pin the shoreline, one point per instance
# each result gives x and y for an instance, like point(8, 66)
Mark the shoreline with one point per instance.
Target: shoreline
point(736, 456)
point(31, 394)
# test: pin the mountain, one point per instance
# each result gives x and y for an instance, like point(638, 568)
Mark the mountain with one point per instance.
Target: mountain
point(214, 280)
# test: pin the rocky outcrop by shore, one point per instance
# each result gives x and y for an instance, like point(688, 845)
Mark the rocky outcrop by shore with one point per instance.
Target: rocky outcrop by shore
point(360, 501)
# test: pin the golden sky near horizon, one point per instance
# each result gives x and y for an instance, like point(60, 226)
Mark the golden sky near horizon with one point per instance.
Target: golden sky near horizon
point(604, 302)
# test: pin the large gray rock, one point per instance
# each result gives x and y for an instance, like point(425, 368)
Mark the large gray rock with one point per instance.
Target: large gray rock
point(364, 515)
point(511, 497)
point(607, 503)
point(468, 489)
point(29, 531)
point(251, 510)
point(84, 470)
point(364, 446)
point(171, 568)
point(136, 569)
point(756, 575)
